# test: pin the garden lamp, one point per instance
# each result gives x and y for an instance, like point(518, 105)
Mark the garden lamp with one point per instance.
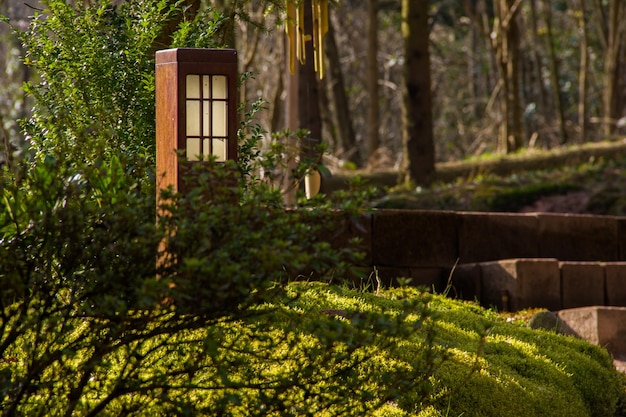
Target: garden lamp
point(196, 111)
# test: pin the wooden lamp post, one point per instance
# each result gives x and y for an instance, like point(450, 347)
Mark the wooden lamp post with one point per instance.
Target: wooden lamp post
point(196, 111)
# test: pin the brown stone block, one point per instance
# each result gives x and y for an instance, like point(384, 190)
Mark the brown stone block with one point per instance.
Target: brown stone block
point(434, 279)
point(569, 237)
point(494, 236)
point(414, 238)
point(345, 228)
point(582, 284)
point(430, 278)
point(516, 284)
point(615, 283)
point(465, 282)
point(604, 326)
point(388, 276)
point(356, 277)
point(621, 237)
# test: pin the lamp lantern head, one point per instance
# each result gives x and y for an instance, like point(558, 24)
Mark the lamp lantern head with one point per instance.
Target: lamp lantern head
point(196, 111)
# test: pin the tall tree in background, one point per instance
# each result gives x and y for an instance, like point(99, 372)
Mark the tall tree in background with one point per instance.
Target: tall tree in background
point(554, 73)
point(615, 36)
point(14, 102)
point(229, 9)
point(504, 40)
point(418, 164)
point(538, 86)
point(343, 118)
point(582, 72)
point(309, 114)
point(373, 119)
point(191, 8)
point(506, 44)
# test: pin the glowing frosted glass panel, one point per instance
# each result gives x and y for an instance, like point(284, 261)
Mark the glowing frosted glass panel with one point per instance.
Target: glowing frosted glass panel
point(219, 87)
point(219, 118)
point(193, 118)
point(193, 149)
point(219, 149)
point(205, 86)
point(193, 86)
point(206, 120)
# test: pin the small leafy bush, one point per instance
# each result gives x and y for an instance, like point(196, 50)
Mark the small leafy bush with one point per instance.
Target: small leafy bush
point(95, 77)
point(100, 291)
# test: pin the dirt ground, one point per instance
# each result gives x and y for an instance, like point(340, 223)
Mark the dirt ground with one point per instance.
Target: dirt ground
point(572, 202)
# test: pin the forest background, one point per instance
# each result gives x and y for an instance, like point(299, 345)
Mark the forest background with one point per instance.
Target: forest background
point(503, 75)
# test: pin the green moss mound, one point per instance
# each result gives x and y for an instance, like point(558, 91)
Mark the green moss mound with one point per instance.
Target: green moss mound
point(322, 350)
point(487, 367)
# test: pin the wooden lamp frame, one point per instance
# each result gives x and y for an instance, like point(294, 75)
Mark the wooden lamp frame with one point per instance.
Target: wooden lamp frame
point(172, 68)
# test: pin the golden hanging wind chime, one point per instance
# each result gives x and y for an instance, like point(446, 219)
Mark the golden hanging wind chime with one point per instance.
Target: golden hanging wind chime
point(294, 27)
point(297, 38)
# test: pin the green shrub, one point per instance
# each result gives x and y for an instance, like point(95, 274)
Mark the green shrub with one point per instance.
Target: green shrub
point(89, 320)
point(95, 90)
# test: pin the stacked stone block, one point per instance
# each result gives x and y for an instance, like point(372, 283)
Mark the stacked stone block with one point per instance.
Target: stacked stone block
point(509, 261)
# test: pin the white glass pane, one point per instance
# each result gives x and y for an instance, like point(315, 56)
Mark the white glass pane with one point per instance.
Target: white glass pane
point(219, 87)
point(193, 86)
point(193, 149)
point(206, 121)
point(206, 145)
point(219, 149)
point(193, 118)
point(205, 86)
point(219, 118)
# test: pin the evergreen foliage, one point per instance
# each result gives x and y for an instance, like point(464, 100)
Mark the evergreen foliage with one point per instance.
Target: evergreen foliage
point(95, 91)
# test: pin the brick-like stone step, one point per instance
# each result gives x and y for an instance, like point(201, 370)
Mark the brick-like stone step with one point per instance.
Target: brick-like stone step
point(515, 284)
point(601, 325)
point(424, 245)
point(413, 238)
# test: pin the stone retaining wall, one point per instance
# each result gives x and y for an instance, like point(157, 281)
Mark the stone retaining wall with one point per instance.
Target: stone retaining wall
point(532, 259)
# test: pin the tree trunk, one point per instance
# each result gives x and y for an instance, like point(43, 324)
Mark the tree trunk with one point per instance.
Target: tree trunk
point(554, 74)
point(373, 120)
point(418, 165)
point(582, 74)
point(277, 115)
point(328, 117)
point(165, 38)
point(507, 52)
point(473, 71)
point(308, 94)
point(343, 119)
point(542, 108)
point(513, 69)
point(229, 10)
point(615, 41)
point(504, 40)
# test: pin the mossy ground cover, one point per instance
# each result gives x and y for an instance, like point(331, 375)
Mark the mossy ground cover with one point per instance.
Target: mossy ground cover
point(599, 179)
point(324, 350)
point(486, 365)
point(598, 171)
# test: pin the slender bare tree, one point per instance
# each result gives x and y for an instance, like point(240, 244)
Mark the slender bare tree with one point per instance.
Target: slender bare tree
point(343, 117)
point(554, 73)
point(615, 39)
point(373, 115)
point(582, 72)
